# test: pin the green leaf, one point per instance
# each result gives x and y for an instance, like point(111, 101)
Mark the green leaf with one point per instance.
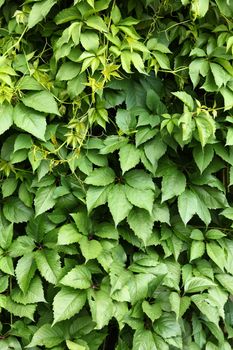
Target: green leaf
point(101, 306)
point(144, 134)
point(200, 8)
point(206, 308)
point(47, 336)
point(153, 311)
point(6, 236)
point(30, 121)
point(129, 157)
point(216, 253)
point(15, 211)
point(141, 223)
point(68, 234)
point(67, 303)
point(97, 196)
point(167, 326)
point(226, 281)
point(140, 198)
point(90, 249)
point(42, 101)
point(112, 143)
point(206, 128)
point(139, 179)
point(90, 41)
point(198, 284)
point(48, 263)
point(24, 271)
point(173, 184)
point(185, 98)
point(96, 22)
point(9, 186)
point(220, 75)
point(6, 117)
point(187, 205)
point(143, 340)
point(161, 213)
point(6, 265)
point(203, 156)
point(68, 71)
point(197, 250)
point(229, 138)
point(17, 309)
point(79, 278)
point(39, 11)
point(44, 199)
point(214, 234)
point(118, 203)
point(101, 177)
point(74, 346)
point(228, 97)
point(33, 295)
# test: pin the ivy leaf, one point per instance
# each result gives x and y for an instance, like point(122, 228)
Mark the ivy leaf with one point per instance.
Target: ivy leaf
point(187, 205)
point(203, 156)
point(48, 263)
point(143, 339)
point(141, 223)
point(24, 271)
point(15, 211)
point(47, 336)
point(97, 23)
point(129, 157)
point(42, 101)
point(44, 199)
point(101, 177)
point(17, 309)
point(140, 198)
point(118, 203)
point(153, 311)
point(67, 303)
point(198, 284)
point(68, 234)
point(90, 249)
point(30, 121)
point(173, 184)
point(6, 117)
point(197, 250)
point(6, 236)
point(39, 11)
point(226, 281)
point(185, 98)
point(6, 265)
point(97, 196)
point(101, 306)
point(79, 278)
point(216, 253)
point(139, 179)
point(33, 295)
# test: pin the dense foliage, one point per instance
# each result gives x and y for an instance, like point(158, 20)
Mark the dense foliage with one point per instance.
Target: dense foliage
point(116, 165)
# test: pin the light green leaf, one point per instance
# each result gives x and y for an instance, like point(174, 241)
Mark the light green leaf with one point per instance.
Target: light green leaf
point(24, 271)
point(173, 184)
point(90, 249)
point(97, 23)
point(141, 223)
point(68, 71)
point(101, 177)
point(214, 234)
point(220, 75)
point(197, 250)
point(6, 117)
point(9, 186)
point(44, 199)
point(6, 265)
point(228, 97)
point(17, 309)
point(153, 311)
point(200, 8)
point(39, 11)
point(203, 156)
point(206, 308)
point(79, 278)
point(226, 281)
point(90, 41)
point(139, 179)
point(198, 284)
point(118, 203)
point(143, 340)
point(67, 303)
point(30, 121)
point(6, 236)
point(48, 263)
point(187, 205)
point(167, 326)
point(33, 295)
point(206, 127)
point(101, 306)
point(97, 196)
point(68, 234)
point(42, 101)
point(129, 157)
point(15, 211)
point(216, 253)
point(161, 213)
point(185, 98)
point(112, 143)
point(140, 198)
point(229, 137)
point(47, 336)
point(74, 346)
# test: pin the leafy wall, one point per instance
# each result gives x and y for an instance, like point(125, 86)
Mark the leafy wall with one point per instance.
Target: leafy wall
point(116, 134)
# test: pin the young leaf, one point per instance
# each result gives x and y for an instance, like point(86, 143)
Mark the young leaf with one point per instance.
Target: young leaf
point(67, 303)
